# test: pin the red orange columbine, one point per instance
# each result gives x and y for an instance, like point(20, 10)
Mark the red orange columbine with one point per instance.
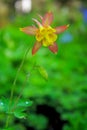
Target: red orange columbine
point(45, 34)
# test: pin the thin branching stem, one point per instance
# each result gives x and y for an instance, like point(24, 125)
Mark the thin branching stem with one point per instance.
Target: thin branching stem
point(17, 99)
point(13, 86)
point(24, 84)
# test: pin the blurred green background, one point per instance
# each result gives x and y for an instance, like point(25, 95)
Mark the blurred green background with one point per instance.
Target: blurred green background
point(61, 101)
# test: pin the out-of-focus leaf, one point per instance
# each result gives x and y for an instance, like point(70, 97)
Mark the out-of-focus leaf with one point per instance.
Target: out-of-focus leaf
point(39, 122)
point(15, 127)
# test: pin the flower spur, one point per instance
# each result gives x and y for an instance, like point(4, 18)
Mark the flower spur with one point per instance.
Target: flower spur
point(45, 34)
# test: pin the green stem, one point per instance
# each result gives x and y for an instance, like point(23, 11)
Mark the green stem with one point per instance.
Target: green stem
point(17, 99)
point(13, 86)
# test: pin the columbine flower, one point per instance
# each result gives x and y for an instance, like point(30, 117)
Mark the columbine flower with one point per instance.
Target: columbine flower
point(45, 34)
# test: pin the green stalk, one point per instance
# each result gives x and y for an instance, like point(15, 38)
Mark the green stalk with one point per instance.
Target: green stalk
point(13, 86)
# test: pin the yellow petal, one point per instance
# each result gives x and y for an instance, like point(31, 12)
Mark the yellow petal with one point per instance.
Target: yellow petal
point(39, 37)
point(51, 37)
point(45, 42)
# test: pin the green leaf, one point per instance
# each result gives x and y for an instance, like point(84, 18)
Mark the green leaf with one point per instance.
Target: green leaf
point(43, 72)
point(24, 103)
point(20, 114)
point(1, 106)
point(4, 104)
point(20, 109)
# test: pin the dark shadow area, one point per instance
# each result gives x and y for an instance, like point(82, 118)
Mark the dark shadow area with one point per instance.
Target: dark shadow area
point(54, 119)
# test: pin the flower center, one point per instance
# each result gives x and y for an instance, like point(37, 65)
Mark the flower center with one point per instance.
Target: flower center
point(46, 35)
